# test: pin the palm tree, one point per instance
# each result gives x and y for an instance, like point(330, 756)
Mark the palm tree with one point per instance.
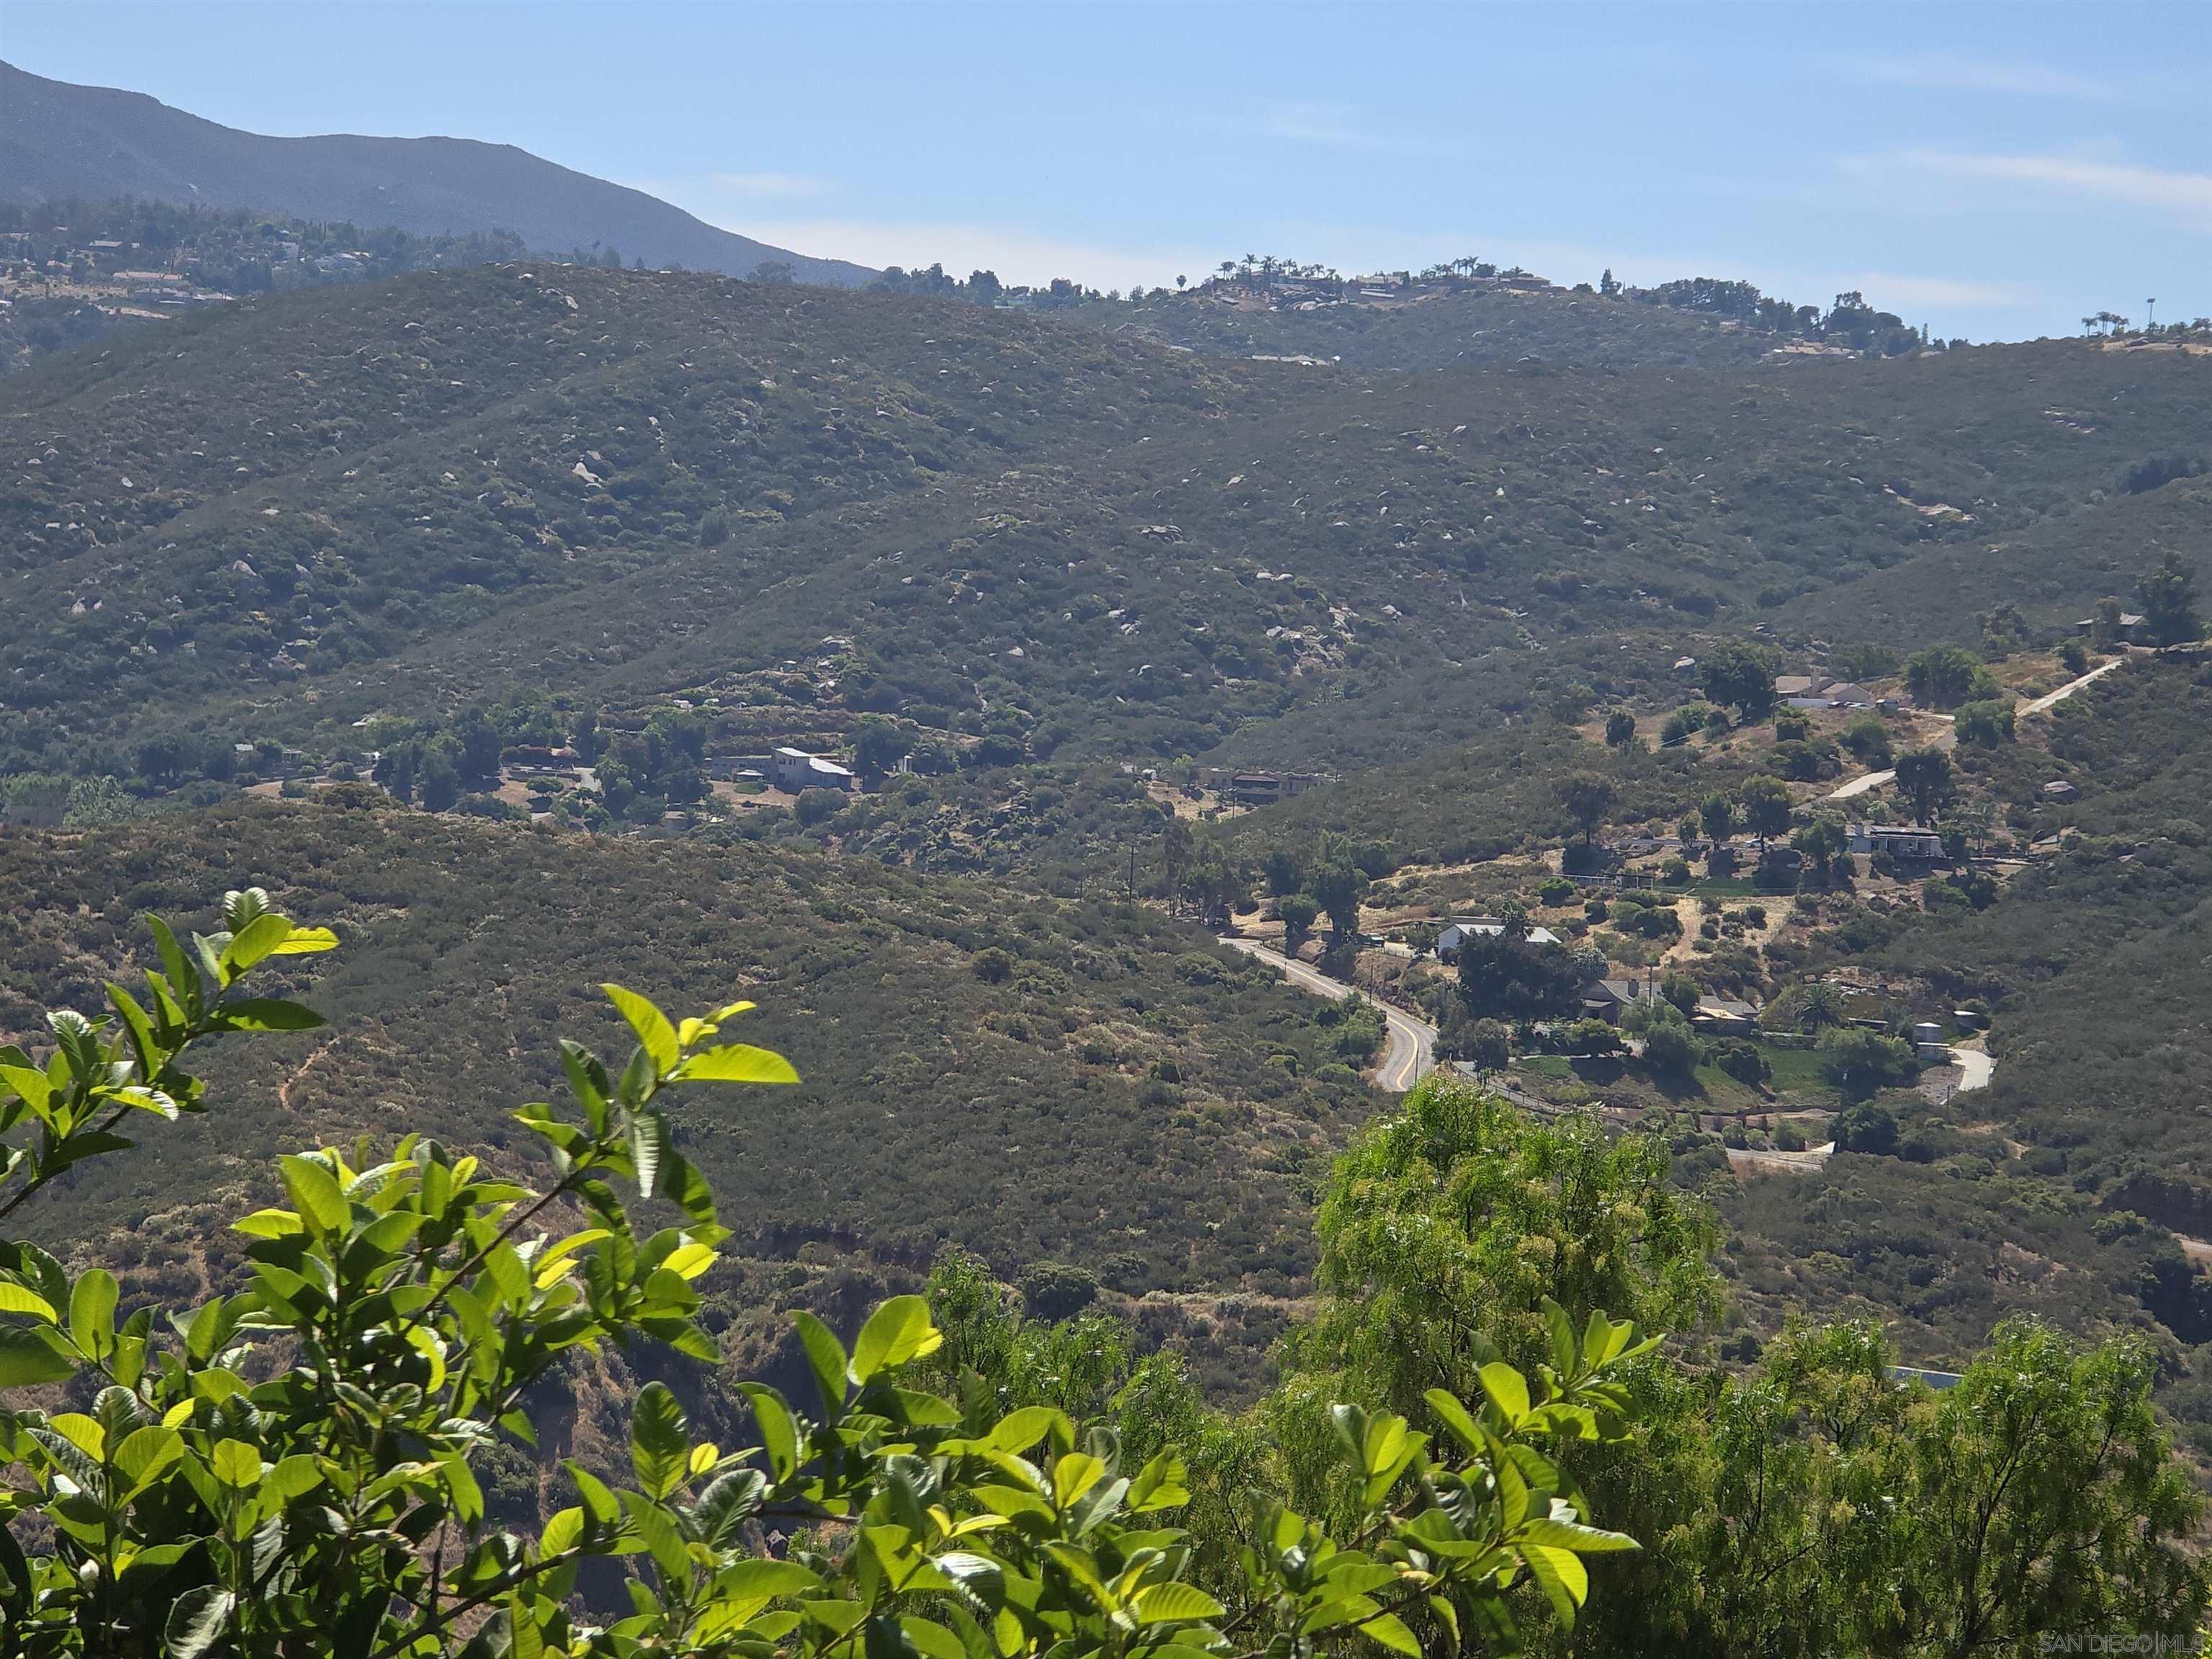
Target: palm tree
point(1819, 1005)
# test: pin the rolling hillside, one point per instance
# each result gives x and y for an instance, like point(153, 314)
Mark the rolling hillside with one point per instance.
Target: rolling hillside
point(618, 487)
point(1535, 330)
point(1112, 1091)
point(59, 141)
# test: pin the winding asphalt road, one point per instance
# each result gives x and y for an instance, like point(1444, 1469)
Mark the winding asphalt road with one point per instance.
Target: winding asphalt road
point(1412, 1042)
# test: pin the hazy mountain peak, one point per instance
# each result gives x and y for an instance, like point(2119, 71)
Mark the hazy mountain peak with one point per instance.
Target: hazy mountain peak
point(58, 140)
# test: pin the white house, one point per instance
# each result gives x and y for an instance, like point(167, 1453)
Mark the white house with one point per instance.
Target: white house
point(794, 769)
point(1817, 690)
point(1457, 933)
point(1895, 840)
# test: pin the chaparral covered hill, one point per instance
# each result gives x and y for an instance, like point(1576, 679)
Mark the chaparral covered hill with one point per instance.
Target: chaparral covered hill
point(399, 497)
point(1031, 1080)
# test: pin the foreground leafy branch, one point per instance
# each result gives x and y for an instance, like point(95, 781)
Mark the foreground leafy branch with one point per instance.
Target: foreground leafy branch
point(289, 1469)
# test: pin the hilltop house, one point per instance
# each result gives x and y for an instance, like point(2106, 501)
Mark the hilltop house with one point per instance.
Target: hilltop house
point(1817, 690)
point(1896, 840)
point(1609, 1000)
point(1726, 1017)
point(2130, 626)
point(794, 769)
point(1458, 932)
point(1259, 788)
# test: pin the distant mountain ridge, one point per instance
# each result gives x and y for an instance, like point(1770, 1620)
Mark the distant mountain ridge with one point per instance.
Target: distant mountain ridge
point(96, 143)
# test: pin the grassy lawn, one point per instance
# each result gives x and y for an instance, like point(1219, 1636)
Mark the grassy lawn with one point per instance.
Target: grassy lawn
point(1797, 1071)
point(1732, 887)
point(1797, 1083)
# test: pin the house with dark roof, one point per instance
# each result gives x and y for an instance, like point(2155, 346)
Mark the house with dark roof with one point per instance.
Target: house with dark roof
point(2132, 626)
point(1610, 1000)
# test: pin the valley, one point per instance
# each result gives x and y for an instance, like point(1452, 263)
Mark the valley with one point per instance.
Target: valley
point(1253, 822)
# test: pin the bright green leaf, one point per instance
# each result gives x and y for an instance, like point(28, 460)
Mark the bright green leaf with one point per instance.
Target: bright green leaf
point(898, 1331)
point(1175, 1603)
point(322, 1202)
point(92, 1312)
point(737, 1063)
point(235, 1464)
point(14, 1299)
point(1507, 1389)
point(652, 1026)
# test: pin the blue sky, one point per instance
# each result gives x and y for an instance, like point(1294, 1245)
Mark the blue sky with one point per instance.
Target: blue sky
point(1996, 171)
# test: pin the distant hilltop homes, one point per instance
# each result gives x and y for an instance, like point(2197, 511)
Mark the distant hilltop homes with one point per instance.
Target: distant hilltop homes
point(794, 769)
point(1258, 788)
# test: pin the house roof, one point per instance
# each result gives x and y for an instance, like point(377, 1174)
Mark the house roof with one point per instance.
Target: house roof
point(1491, 925)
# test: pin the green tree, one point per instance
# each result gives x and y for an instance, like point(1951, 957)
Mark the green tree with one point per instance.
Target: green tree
point(1487, 1046)
point(1297, 913)
point(1924, 781)
point(1504, 977)
point(439, 779)
point(1586, 795)
point(1739, 675)
point(1816, 1006)
point(1986, 724)
point(617, 787)
point(1217, 880)
point(1175, 845)
point(1868, 740)
point(2169, 602)
point(1338, 885)
point(1673, 1049)
point(480, 744)
point(878, 744)
point(1620, 729)
point(1447, 1227)
point(1767, 807)
point(2106, 624)
point(1860, 1061)
point(1716, 817)
point(1822, 840)
point(584, 736)
point(2051, 1501)
point(1945, 675)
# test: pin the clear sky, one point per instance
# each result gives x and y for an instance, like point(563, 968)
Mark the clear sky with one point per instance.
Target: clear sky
point(1993, 170)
